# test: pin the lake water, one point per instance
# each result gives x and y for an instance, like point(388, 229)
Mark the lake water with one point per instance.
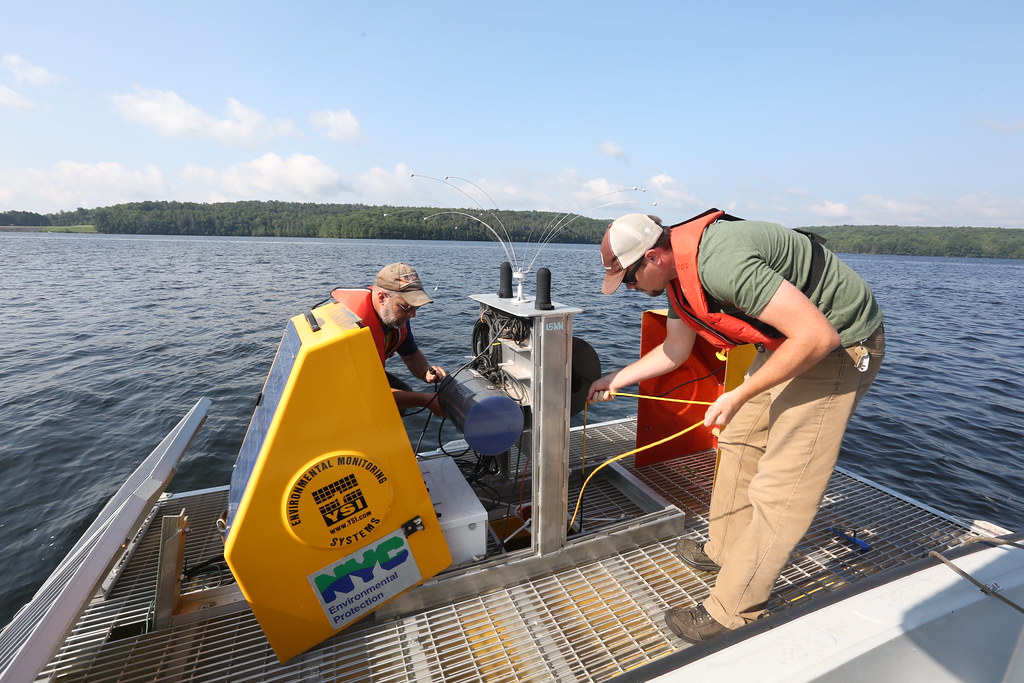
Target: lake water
point(107, 340)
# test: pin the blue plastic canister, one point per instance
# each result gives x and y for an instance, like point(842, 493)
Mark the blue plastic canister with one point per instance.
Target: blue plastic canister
point(490, 421)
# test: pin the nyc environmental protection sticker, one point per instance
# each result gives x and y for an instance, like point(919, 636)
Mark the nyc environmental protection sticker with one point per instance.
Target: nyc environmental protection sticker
point(338, 501)
point(363, 581)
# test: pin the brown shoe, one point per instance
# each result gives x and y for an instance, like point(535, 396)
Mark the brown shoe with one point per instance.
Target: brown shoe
point(692, 553)
point(694, 625)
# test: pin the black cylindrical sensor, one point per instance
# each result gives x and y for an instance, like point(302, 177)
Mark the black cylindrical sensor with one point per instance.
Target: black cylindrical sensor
point(505, 284)
point(543, 302)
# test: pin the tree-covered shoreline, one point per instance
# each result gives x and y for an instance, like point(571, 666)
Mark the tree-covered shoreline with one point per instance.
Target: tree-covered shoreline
point(360, 221)
point(352, 221)
point(919, 241)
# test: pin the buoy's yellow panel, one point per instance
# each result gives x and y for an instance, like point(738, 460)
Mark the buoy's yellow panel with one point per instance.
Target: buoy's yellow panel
point(737, 362)
point(328, 515)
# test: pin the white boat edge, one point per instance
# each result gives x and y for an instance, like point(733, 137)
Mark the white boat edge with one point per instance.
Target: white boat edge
point(930, 624)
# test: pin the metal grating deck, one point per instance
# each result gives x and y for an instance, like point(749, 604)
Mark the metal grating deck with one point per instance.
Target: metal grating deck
point(590, 622)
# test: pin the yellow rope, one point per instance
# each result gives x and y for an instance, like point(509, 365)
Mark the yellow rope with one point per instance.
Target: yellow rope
point(597, 469)
point(579, 499)
point(662, 398)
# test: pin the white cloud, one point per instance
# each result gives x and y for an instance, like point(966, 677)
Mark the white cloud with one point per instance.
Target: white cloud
point(612, 150)
point(598, 197)
point(300, 177)
point(1011, 126)
point(672, 194)
point(13, 100)
point(338, 125)
point(988, 209)
point(381, 186)
point(69, 185)
point(977, 209)
point(561, 192)
point(171, 116)
point(829, 210)
point(400, 186)
point(27, 73)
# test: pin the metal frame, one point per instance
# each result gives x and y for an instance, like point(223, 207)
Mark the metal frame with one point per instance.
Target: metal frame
point(550, 355)
point(590, 621)
point(36, 632)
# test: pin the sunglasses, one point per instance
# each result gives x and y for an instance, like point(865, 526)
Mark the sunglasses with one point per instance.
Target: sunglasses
point(405, 308)
point(629, 279)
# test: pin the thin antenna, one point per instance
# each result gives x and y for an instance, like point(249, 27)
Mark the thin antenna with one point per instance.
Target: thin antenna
point(547, 235)
point(482, 191)
point(481, 222)
point(561, 217)
point(508, 238)
point(550, 235)
point(559, 224)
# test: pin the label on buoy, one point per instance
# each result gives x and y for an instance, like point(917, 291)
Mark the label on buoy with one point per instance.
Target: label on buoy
point(366, 579)
point(338, 501)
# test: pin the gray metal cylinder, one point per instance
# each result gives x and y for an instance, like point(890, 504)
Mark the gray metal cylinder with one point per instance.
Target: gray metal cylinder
point(490, 421)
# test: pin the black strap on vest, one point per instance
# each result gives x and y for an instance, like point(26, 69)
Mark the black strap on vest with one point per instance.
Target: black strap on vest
point(817, 251)
point(817, 260)
point(814, 277)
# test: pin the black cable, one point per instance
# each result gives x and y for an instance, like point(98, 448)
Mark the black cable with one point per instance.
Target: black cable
point(330, 297)
point(482, 344)
point(689, 381)
point(494, 495)
point(440, 445)
point(190, 572)
point(426, 424)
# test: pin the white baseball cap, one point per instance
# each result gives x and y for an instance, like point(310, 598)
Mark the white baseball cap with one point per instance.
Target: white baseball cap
point(625, 242)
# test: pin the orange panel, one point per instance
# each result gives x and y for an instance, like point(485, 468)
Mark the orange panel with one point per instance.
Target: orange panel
point(700, 378)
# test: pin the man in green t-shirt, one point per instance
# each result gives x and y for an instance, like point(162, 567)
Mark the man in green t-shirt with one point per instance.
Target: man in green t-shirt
point(819, 330)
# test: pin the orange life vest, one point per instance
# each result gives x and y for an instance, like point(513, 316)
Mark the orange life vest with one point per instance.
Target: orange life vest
point(687, 296)
point(360, 302)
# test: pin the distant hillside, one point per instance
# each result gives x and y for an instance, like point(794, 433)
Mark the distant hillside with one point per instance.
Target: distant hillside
point(945, 241)
point(360, 221)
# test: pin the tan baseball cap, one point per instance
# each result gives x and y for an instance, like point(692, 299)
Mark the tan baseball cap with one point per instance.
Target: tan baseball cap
point(625, 241)
point(401, 280)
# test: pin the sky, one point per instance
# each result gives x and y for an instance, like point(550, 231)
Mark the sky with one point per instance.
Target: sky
point(802, 113)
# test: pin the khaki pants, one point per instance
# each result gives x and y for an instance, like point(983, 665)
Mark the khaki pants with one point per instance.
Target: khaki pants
point(777, 456)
